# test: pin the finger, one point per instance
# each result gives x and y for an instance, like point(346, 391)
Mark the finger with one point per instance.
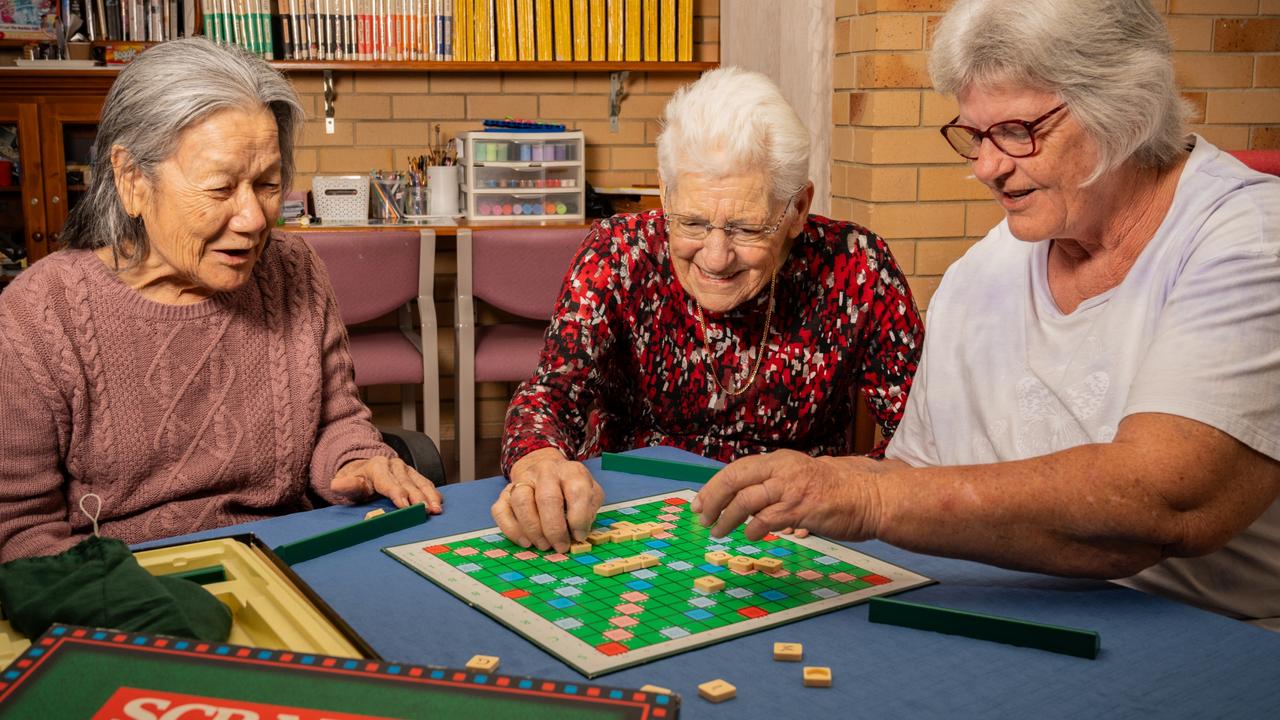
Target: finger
point(802, 533)
point(506, 520)
point(583, 496)
point(724, 485)
point(430, 495)
point(551, 512)
point(401, 476)
point(748, 501)
point(787, 530)
point(524, 505)
point(386, 482)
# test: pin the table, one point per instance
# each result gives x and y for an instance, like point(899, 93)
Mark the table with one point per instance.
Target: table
point(1159, 657)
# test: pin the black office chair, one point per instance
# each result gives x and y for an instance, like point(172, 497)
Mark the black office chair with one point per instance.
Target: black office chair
point(417, 450)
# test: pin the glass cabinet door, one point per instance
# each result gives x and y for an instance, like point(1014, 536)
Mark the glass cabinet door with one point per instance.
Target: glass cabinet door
point(69, 129)
point(21, 203)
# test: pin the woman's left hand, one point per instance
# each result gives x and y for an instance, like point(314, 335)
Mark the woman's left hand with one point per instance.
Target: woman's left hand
point(390, 477)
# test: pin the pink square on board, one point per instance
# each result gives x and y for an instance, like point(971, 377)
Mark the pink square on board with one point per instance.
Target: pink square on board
point(526, 555)
point(843, 577)
point(635, 597)
point(465, 551)
point(661, 535)
point(808, 575)
point(618, 635)
point(557, 557)
point(495, 553)
point(629, 609)
point(668, 517)
point(624, 621)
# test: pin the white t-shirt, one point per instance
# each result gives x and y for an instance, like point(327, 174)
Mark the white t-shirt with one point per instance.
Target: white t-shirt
point(1193, 330)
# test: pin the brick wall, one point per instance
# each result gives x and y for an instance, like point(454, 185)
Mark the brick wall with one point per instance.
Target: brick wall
point(892, 171)
point(383, 118)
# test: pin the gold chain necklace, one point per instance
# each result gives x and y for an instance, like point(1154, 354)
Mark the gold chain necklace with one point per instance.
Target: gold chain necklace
point(764, 341)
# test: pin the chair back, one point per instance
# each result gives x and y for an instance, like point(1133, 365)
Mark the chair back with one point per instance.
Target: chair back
point(1266, 161)
point(373, 272)
point(521, 270)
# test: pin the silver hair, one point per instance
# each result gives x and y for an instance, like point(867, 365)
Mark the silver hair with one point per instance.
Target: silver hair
point(1108, 60)
point(167, 89)
point(730, 121)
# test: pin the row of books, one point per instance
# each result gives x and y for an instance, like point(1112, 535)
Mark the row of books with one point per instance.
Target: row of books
point(400, 30)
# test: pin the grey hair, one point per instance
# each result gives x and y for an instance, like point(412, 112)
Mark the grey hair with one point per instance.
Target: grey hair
point(165, 90)
point(729, 121)
point(1108, 60)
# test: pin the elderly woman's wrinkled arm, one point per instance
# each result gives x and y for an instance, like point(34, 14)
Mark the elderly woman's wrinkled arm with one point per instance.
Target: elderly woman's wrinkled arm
point(1166, 486)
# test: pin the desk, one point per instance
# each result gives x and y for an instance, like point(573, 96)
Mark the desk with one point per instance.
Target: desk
point(1159, 658)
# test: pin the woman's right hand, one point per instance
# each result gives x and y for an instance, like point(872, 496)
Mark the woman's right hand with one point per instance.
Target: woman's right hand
point(550, 502)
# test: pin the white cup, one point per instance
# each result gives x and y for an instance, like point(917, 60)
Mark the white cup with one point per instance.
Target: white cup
point(442, 180)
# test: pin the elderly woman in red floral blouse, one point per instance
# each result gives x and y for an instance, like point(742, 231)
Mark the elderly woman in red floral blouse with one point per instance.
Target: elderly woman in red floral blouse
point(728, 324)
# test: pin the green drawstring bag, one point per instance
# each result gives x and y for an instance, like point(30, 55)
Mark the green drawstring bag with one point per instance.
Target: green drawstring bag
point(98, 583)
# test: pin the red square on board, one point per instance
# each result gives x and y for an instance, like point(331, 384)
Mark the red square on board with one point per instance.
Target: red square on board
point(47, 641)
point(24, 663)
point(459, 677)
point(77, 633)
point(548, 686)
point(370, 667)
point(502, 682)
point(436, 549)
point(201, 647)
point(161, 642)
point(516, 594)
point(638, 697)
point(243, 652)
point(753, 612)
point(770, 537)
point(876, 579)
point(3, 685)
point(119, 638)
point(415, 672)
point(612, 648)
point(593, 692)
point(286, 657)
point(676, 501)
point(659, 712)
point(328, 662)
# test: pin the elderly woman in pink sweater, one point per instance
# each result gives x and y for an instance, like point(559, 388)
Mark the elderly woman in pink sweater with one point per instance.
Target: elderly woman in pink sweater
point(177, 359)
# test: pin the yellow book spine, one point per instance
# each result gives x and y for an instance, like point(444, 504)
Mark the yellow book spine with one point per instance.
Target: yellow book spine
point(613, 29)
point(632, 29)
point(667, 39)
point(543, 26)
point(483, 21)
point(684, 31)
point(462, 30)
point(581, 31)
point(524, 31)
point(505, 18)
point(597, 30)
point(650, 30)
point(564, 29)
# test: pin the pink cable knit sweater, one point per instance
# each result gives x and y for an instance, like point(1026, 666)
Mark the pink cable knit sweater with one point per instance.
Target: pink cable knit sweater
point(181, 417)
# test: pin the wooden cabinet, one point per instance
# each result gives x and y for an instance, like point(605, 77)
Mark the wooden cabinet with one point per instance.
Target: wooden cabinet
point(50, 121)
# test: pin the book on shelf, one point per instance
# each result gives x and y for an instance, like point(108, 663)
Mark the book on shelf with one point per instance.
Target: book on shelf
point(544, 29)
point(462, 37)
point(598, 21)
point(667, 31)
point(633, 27)
point(581, 30)
point(483, 29)
point(684, 30)
point(505, 19)
point(526, 49)
point(563, 10)
point(651, 30)
point(614, 11)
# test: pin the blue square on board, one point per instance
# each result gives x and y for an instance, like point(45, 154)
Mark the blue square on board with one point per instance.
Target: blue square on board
point(679, 565)
point(568, 591)
point(491, 538)
point(512, 576)
point(627, 511)
point(655, 544)
point(774, 595)
point(468, 567)
point(639, 585)
point(587, 559)
point(826, 560)
point(779, 551)
point(542, 579)
point(698, 614)
point(674, 632)
point(568, 623)
point(561, 603)
point(713, 569)
point(748, 550)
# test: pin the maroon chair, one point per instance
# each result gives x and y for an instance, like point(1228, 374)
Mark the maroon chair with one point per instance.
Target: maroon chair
point(519, 271)
point(374, 272)
point(1267, 161)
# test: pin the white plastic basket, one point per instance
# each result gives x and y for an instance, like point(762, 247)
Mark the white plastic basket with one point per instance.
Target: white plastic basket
point(341, 197)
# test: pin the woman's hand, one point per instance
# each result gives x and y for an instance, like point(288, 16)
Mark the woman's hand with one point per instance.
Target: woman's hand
point(391, 477)
point(835, 497)
point(550, 501)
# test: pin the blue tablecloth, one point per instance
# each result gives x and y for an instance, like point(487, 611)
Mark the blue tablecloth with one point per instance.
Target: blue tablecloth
point(1159, 658)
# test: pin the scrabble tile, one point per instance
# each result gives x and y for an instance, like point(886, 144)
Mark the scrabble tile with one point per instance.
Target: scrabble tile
point(655, 690)
point(788, 652)
point(717, 691)
point(815, 676)
point(709, 584)
point(576, 548)
point(374, 513)
point(483, 663)
point(768, 565)
point(717, 557)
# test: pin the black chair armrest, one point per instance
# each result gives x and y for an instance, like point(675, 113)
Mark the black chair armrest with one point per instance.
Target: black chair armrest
point(417, 450)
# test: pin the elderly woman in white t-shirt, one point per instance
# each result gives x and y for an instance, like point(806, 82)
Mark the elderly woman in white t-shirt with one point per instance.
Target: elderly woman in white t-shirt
point(1100, 389)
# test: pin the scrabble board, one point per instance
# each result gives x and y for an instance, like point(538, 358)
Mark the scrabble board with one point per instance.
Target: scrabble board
point(598, 623)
